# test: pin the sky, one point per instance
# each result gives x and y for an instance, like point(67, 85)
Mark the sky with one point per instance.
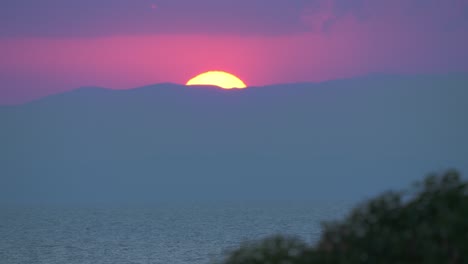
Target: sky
point(51, 46)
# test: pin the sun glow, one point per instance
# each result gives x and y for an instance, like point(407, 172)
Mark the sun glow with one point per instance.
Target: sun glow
point(217, 78)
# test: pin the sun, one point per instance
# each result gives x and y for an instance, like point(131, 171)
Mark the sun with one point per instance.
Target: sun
point(217, 78)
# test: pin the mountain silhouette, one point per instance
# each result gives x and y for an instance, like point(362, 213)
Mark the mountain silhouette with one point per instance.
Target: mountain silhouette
point(341, 139)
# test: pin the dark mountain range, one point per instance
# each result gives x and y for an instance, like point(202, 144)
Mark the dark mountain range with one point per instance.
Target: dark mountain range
point(343, 139)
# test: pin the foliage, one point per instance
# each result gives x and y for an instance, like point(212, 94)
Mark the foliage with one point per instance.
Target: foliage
point(428, 224)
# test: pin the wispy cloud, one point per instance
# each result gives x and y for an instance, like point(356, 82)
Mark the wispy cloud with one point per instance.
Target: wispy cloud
point(264, 17)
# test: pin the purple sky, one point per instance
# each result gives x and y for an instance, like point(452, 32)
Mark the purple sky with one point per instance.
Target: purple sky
point(50, 46)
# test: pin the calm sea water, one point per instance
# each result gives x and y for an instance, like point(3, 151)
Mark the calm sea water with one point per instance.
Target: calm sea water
point(160, 234)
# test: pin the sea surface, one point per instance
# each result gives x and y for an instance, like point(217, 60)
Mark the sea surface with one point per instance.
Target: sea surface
point(190, 233)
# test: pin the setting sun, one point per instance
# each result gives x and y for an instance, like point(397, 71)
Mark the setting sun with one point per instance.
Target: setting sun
point(217, 78)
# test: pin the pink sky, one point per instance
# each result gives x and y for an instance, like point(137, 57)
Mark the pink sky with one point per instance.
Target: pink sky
point(394, 37)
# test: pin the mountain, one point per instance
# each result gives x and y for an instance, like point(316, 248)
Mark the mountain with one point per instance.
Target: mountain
point(341, 139)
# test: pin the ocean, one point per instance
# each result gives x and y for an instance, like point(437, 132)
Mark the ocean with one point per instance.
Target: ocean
point(178, 233)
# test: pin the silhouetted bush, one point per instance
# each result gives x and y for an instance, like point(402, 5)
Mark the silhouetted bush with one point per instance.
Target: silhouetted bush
point(427, 224)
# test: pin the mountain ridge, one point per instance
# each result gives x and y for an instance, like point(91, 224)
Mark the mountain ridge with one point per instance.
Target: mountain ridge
point(379, 77)
point(341, 139)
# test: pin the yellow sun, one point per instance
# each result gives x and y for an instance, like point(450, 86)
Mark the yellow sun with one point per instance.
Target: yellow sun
point(217, 78)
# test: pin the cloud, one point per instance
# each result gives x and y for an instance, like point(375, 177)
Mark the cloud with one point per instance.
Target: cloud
point(419, 15)
point(244, 17)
